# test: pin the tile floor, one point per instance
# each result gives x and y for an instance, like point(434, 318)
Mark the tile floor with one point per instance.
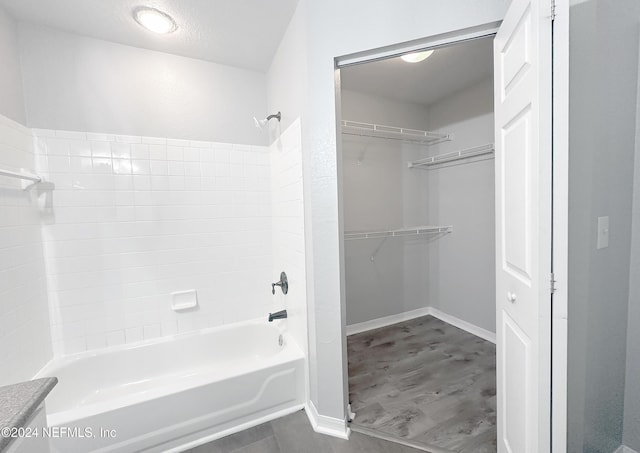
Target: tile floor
point(427, 382)
point(293, 434)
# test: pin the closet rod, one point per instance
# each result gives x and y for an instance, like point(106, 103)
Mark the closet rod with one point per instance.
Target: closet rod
point(453, 156)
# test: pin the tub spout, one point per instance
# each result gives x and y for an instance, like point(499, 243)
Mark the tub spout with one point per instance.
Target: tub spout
point(278, 315)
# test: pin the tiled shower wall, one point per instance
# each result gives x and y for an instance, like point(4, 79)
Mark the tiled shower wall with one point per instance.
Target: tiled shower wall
point(135, 219)
point(288, 229)
point(25, 341)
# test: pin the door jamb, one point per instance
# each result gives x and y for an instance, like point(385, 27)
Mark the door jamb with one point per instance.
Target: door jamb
point(458, 36)
point(560, 227)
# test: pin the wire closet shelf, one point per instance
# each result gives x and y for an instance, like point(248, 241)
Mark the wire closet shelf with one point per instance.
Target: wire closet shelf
point(401, 232)
point(415, 136)
point(476, 151)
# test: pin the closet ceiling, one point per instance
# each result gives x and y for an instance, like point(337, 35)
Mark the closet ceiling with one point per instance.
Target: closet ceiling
point(448, 70)
point(241, 33)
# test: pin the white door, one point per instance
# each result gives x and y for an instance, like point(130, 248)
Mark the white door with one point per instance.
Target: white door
point(522, 55)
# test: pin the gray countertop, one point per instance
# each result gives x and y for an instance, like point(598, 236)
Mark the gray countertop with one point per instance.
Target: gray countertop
point(19, 401)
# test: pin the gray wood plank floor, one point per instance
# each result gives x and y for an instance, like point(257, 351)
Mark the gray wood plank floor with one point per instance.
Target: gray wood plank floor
point(425, 381)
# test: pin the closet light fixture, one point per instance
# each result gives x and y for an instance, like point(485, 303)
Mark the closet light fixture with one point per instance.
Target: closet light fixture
point(154, 20)
point(417, 57)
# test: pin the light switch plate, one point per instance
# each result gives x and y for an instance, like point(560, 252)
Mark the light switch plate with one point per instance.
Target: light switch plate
point(603, 232)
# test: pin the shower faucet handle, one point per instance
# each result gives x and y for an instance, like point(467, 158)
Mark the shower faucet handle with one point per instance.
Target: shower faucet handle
point(283, 284)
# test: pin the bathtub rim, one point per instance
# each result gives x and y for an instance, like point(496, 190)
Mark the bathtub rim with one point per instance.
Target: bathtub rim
point(68, 359)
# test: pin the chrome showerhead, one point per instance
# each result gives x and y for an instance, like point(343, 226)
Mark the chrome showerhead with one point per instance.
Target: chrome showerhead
point(259, 123)
point(262, 123)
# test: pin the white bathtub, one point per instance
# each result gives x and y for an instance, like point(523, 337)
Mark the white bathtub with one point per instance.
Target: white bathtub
point(175, 392)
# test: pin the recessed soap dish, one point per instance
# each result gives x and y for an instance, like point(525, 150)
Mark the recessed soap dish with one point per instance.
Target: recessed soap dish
point(184, 300)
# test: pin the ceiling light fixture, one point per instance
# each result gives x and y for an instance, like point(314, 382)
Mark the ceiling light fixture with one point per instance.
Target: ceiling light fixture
point(417, 57)
point(154, 20)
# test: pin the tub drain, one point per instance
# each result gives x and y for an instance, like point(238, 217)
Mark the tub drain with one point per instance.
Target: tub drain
point(280, 340)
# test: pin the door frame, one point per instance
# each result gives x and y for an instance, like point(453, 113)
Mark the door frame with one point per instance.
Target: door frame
point(560, 228)
point(458, 36)
point(560, 167)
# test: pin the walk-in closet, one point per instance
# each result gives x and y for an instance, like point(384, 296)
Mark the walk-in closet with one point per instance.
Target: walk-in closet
point(419, 246)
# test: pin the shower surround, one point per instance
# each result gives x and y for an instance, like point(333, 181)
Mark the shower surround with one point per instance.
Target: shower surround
point(138, 218)
point(25, 341)
point(133, 219)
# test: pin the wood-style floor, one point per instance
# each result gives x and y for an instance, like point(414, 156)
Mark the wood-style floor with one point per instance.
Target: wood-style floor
point(425, 381)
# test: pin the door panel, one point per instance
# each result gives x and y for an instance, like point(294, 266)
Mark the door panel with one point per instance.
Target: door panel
point(522, 53)
point(516, 54)
point(516, 352)
point(516, 257)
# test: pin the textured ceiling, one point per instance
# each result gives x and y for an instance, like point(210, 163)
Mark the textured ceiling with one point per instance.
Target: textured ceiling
point(241, 33)
point(448, 70)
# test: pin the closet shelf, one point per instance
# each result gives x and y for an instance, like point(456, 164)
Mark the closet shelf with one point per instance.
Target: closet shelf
point(453, 156)
point(408, 231)
point(416, 136)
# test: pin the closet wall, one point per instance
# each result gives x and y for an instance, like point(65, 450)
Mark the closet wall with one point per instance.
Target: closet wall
point(462, 267)
point(453, 273)
point(375, 181)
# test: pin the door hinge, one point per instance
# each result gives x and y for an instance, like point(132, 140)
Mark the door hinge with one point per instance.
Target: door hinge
point(552, 283)
point(553, 9)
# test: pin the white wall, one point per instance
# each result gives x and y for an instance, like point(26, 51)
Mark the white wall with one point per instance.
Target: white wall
point(288, 235)
point(375, 181)
point(287, 75)
point(288, 91)
point(603, 84)
point(25, 340)
point(11, 95)
point(354, 26)
point(462, 265)
point(84, 84)
point(136, 218)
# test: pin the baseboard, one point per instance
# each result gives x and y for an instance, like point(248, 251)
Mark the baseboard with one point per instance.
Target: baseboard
point(408, 315)
point(464, 325)
point(624, 449)
point(387, 320)
point(326, 425)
